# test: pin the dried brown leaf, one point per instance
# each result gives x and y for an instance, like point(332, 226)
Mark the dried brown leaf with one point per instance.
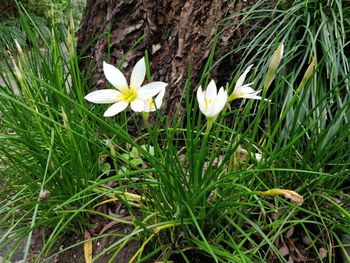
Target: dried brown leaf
point(306, 240)
point(87, 247)
point(290, 232)
point(323, 252)
point(284, 251)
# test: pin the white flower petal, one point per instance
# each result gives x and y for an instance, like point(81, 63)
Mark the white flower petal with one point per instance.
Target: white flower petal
point(248, 90)
point(159, 99)
point(114, 76)
point(221, 100)
point(151, 89)
point(246, 85)
point(211, 91)
point(211, 110)
point(241, 79)
point(254, 97)
point(149, 105)
point(201, 100)
point(138, 74)
point(258, 157)
point(213, 105)
point(221, 92)
point(155, 104)
point(103, 96)
point(138, 105)
point(115, 108)
point(248, 93)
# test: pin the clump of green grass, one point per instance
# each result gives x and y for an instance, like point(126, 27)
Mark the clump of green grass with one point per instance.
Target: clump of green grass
point(188, 191)
point(8, 31)
point(48, 140)
point(203, 198)
point(44, 13)
point(313, 32)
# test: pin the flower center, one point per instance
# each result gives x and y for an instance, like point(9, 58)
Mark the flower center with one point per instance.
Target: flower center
point(207, 102)
point(129, 95)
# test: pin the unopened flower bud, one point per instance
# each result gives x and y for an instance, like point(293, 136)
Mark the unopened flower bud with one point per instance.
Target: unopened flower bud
point(274, 63)
point(71, 24)
point(64, 118)
point(307, 75)
point(293, 196)
point(276, 57)
point(19, 49)
point(310, 69)
point(17, 72)
point(69, 40)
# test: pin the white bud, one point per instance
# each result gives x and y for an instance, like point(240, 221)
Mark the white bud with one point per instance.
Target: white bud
point(276, 57)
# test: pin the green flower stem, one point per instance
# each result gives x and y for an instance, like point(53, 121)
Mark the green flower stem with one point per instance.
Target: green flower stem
point(210, 122)
point(269, 78)
point(271, 192)
point(232, 97)
point(203, 153)
point(145, 116)
point(235, 158)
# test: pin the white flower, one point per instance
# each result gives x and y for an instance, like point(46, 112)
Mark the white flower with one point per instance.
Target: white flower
point(258, 157)
point(154, 104)
point(210, 102)
point(125, 94)
point(244, 91)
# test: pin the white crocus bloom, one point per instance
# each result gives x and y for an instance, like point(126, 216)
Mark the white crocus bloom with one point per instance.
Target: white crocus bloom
point(124, 94)
point(244, 91)
point(154, 104)
point(210, 101)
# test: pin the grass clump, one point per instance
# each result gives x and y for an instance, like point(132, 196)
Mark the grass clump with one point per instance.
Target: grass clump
point(314, 32)
point(44, 13)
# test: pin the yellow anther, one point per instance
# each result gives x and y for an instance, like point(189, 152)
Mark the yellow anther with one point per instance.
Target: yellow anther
point(129, 95)
point(206, 103)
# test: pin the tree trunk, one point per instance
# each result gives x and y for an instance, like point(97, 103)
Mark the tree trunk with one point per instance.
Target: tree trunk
point(177, 34)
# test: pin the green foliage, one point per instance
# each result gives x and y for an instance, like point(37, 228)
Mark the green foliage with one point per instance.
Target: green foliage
point(47, 143)
point(56, 11)
point(45, 14)
point(317, 111)
point(10, 30)
point(312, 31)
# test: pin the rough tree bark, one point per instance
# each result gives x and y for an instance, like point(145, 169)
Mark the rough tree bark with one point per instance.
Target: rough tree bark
point(181, 30)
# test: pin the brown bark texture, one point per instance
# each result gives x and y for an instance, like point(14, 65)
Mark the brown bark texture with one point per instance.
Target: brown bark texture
point(177, 34)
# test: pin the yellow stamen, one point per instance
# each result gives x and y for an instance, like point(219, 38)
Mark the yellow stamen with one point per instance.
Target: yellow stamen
point(151, 103)
point(129, 95)
point(206, 103)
